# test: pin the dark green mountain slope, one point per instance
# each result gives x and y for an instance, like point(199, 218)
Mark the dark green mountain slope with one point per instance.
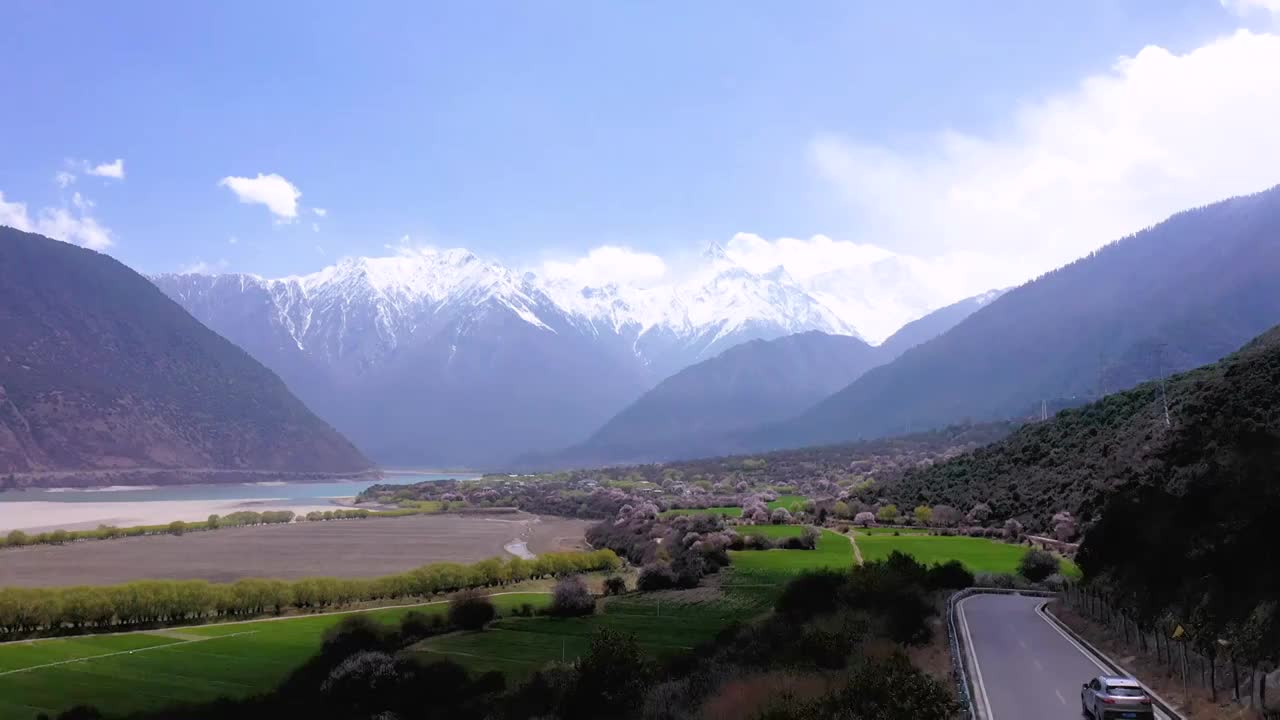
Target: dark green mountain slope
point(748, 385)
point(1178, 295)
point(1217, 415)
point(100, 370)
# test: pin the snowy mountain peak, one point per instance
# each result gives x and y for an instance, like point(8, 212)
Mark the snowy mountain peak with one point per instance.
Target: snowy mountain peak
point(715, 253)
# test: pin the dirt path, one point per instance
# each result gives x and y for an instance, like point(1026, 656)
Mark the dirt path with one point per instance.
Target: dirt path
point(857, 552)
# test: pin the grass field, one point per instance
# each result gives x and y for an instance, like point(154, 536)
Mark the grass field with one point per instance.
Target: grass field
point(977, 554)
point(663, 623)
point(786, 501)
point(138, 671)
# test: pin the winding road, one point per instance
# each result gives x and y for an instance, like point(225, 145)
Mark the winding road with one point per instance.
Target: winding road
point(1023, 666)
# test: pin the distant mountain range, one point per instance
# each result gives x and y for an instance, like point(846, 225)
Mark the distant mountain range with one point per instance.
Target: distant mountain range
point(691, 413)
point(1183, 293)
point(442, 358)
point(101, 371)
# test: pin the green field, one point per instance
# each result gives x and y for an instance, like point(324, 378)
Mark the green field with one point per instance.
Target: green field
point(833, 551)
point(786, 501)
point(977, 554)
point(663, 623)
point(147, 670)
point(890, 531)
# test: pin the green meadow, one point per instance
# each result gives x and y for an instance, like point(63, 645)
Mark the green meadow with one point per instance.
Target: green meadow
point(977, 554)
point(130, 672)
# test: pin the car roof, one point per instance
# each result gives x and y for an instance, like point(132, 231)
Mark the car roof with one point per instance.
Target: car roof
point(1120, 681)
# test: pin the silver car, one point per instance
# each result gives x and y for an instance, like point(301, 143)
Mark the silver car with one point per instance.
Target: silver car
point(1115, 698)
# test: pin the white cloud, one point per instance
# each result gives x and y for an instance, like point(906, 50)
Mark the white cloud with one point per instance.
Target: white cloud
point(64, 178)
point(200, 267)
point(315, 227)
point(1246, 7)
point(62, 224)
point(233, 240)
point(109, 170)
point(320, 211)
point(278, 194)
point(81, 202)
point(607, 264)
point(1158, 133)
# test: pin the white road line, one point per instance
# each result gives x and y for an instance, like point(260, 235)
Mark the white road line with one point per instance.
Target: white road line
point(973, 655)
point(1059, 694)
point(123, 652)
point(1040, 610)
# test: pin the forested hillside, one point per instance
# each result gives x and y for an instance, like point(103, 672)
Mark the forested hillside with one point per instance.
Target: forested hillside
point(762, 381)
point(1178, 295)
point(1223, 426)
point(99, 370)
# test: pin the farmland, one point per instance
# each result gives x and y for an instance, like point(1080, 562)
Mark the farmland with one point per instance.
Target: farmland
point(977, 554)
point(735, 511)
point(146, 670)
point(664, 623)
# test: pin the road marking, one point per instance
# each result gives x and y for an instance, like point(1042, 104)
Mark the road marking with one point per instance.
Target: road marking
point(973, 654)
point(1040, 610)
point(1059, 694)
point(123, 652)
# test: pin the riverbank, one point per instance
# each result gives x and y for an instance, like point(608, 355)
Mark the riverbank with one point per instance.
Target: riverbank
point(339, 548)
point(43, 516)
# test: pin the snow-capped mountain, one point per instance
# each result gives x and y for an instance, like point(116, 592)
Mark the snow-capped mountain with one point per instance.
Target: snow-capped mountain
point(440, 357)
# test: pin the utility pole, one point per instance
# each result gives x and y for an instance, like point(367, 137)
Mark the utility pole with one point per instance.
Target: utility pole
point(1044, 410)
point(1164, 396)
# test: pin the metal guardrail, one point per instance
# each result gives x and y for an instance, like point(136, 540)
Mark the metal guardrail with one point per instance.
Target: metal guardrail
point(1115, 667)
point(959, 658)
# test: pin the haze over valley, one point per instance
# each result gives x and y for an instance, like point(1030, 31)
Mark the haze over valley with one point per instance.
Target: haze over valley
point(640, 361)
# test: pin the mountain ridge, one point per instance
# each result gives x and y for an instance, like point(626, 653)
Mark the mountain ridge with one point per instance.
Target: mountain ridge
point(99, 370)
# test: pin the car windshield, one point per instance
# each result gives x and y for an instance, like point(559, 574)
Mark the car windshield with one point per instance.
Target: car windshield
point(1122, 691)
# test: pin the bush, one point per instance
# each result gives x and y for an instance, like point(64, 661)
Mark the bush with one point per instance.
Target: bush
point(571, 598)
point(780, 517)
point(810, 594)
point(1037, 565)
point(470, 610)
point(656, 576)
point(951, 575)
point(615, 585)
point(1002, 581)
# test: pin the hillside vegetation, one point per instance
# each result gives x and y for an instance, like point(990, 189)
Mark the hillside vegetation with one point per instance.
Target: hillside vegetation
point(1178, 295)
point(1075, 461)
point(98, 369)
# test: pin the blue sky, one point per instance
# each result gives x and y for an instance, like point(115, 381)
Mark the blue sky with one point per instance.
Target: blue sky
point(526, 131)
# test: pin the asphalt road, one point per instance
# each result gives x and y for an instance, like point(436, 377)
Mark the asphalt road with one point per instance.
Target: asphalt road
point(1026, 668)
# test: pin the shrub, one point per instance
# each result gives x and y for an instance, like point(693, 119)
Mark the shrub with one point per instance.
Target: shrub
point(1037, 565)
point(864, 519)
point(470, 610)
point(780, 517)
point(888, 513)
point(1003, 581)
point(571, 598)
point(615, 585)
point(810, 594)
point(951, 575)
point(656, 576)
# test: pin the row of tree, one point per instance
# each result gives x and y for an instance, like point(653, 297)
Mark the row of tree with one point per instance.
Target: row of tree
point(18, 538)
point(27, 611)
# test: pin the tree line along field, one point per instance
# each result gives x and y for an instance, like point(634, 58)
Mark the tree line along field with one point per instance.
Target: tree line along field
point(128, 672)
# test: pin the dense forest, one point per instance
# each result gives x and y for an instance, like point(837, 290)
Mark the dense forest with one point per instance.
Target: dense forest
point(1216, 415)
